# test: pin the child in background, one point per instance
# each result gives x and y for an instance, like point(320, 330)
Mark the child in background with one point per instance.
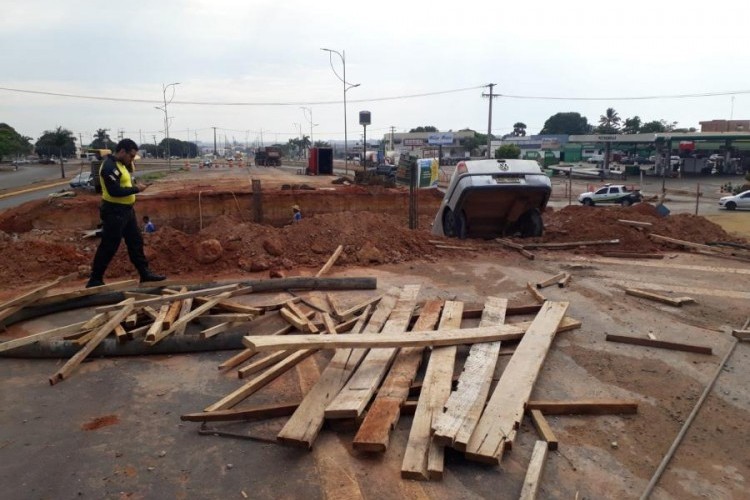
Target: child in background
point(148, 226)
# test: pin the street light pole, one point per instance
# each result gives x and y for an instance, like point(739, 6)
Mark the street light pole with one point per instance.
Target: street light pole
point(166, 118)
point(347, 86)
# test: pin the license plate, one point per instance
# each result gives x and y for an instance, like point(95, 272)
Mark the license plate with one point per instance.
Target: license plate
point(507, 180)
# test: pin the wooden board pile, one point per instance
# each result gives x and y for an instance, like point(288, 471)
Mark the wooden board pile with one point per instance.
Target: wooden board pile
point(373, 371)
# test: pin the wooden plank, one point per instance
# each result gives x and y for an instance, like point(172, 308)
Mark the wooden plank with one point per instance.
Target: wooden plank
point(232, 306)
point(516, 246)
point(672, 301)
point(158, 325)
point(307, 325)
point(634, 223)
point(534, 472)
point(121, 334)
point(101, 333)
point(158, 301)
point(506, 405)
point(331, 261)
point(423, 457)
point(585, 407)
point(303, 428)
point(660, 344)
point(374, 433)
point(359, 390)
point(260, 381)
point(632, 255)
point(535, 293)
point(564, 282)
point(188, 317)
point(185, 308)
point(247, 414)
point(262, 363)
point(95, 322)
point(218, 319)
point(85, 292)
point(454, 426)
point(570, 244)
point(741, 334)
point(294, 320)
point(543, 429)
point(32, 296)
point(387, 340)
point(174, 311)
point(352, 311)
point(8, 312)
point(270, 323)
point(45, 335)
point(550, 281)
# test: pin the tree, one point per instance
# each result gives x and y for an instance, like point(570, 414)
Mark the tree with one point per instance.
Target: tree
point(321, 144)
point(653, 127)
point(507, 152)
point(428, 128)
point(473, 143)
point(570, 123)
point(609, 122)
point(519, 129)
point(632, 125)
point(59, 141)
point(102, 140)
point(12, 143)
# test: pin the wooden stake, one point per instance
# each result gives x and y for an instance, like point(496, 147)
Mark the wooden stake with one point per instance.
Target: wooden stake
point(550, 281)
point(331, 261)
point(535, 293)
point(544, 430)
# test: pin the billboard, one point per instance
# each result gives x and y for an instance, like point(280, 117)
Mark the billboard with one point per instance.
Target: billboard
point(440, 139)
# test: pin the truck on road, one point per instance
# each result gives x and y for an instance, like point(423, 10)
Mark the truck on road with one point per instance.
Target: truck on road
point(269, 156)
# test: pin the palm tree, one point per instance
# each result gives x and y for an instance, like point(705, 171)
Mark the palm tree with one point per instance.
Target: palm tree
point(609, 122)
point(62, 138)
point(519, 129)
point(101, 140)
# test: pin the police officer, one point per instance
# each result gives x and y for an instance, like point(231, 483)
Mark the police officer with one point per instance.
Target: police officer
point(118, 216)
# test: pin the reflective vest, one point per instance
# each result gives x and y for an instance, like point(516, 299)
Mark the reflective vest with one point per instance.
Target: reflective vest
point(126, 181)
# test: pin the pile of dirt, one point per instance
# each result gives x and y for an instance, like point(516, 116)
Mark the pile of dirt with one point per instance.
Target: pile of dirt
point(579, 223)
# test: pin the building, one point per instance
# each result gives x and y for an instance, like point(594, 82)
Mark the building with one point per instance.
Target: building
point(428, 144)
point(725, 126)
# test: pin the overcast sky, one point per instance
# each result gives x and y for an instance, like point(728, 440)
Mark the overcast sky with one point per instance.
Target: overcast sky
point(261, 51)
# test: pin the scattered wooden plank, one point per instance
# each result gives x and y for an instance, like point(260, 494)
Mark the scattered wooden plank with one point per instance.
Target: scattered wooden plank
point(231, 306)
point(423, 457)
point(121, 334)
point(353, 311)
point(374, 433)
point(359, 390)
point(85, 292)
point(8, 312)
point(585, 407)
point(262, 363)
point(534, 472)
point(331, 261)
point(506, 406)
point(564, 282)
point(455, 247)
point(45, 335)
point(660, 344)
point(260, 381)
point(672, 301)
point(634, 223)
point(571, 244)
point(247, 414)
point(188, 317)
point(101, 333)
point(131, 321)
point(535, 293)
point(158, 325)
point(158, 301)
point(97, 321)
point(454, 426)
point(29, 298)
point(307, 325)
point(218, 319)
point(302, 429)
point(174, 311)
point(741, 334)
point(516, 246)
point(220, 328)
point(543, 429)
point(632, 255)
point(550, 281)
point(185, 308)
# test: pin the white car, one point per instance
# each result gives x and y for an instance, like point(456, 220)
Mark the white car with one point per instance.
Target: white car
point(741, 200)
point(610, 194)
point(491, 198)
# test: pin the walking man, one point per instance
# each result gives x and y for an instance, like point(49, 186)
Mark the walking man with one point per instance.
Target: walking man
point(118, 216)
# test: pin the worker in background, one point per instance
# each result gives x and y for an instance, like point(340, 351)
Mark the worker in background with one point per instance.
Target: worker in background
point(118, 216)
point(148, 226)
point(297, 215)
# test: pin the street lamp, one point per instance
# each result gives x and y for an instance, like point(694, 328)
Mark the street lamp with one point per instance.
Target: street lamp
point(347, 86)
point(166, 118)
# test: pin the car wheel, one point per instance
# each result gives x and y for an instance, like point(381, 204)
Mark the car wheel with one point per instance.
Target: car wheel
point(449, 223)
point(588, 202)
point(731, 205)
point(626, 202)
point(460, 227)
point(531, 224)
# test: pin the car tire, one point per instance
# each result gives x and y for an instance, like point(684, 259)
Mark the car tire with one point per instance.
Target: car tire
point(626, 202)
point(531, 224)
point(588, 202)
point(449, 223)
point(731, 205)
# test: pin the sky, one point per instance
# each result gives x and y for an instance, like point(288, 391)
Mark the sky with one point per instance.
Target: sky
point(256, 63)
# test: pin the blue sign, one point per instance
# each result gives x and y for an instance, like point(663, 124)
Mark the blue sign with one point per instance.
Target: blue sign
point(440, 139)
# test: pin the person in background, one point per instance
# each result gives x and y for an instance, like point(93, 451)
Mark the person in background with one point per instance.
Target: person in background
point(118, 216)
point(148, 226)
point(297, 215)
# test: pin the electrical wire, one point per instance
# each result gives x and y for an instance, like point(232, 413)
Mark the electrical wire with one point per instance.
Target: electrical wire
point(630, 98)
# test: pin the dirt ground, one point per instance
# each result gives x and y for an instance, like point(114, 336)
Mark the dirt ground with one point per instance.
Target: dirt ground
point(113, 430)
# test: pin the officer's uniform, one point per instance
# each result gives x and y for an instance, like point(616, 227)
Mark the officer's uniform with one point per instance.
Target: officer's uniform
point(119, 221)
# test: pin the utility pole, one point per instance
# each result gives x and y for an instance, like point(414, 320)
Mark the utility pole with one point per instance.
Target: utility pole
point(140, 137)
point(393, 129)
point(489, 121)
point(156, 148)
point(215, 153)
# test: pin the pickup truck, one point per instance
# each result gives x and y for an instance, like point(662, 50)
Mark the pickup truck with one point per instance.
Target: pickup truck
point(611, 194)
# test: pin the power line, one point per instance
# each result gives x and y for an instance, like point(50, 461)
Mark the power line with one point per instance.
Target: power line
point(629, 98)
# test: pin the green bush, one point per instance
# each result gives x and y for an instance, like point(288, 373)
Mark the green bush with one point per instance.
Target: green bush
point(507, 152)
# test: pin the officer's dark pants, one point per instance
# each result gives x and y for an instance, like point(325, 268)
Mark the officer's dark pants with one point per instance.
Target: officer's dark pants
point(119, 222)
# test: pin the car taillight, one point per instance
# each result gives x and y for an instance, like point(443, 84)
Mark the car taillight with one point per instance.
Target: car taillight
point(461, 168)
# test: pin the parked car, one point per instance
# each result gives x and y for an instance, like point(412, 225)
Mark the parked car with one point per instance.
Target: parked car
point(741, 200)
point(82, 180)
point(595, 158)
point(617, 193)
point(386, 170)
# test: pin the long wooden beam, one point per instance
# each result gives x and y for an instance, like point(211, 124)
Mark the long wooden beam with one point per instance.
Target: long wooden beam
point(660, 344)
point(45, 335)
point(534, 472)
point(248, 414)
point(584, 407)
point(158, 301)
